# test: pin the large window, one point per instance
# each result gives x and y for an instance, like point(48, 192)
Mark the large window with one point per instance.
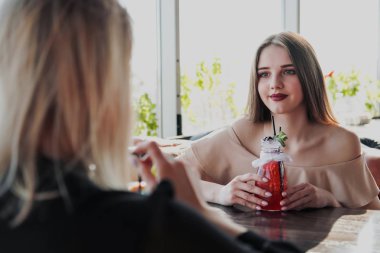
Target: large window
point(217, 41)
point(225, 34)
point(144, 63)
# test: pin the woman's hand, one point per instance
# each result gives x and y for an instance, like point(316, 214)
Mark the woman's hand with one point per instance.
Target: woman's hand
point(184, 180)
point(242, 189)
point(306, 195)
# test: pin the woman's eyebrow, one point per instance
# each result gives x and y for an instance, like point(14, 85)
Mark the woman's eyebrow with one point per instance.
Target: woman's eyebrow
point(287, 65)
point(282, 66)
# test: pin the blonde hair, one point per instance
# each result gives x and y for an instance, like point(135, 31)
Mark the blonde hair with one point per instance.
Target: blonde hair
point(309, 73)
point(64, 77)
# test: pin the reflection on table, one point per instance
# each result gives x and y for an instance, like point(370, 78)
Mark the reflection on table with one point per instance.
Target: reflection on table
point(316, 230)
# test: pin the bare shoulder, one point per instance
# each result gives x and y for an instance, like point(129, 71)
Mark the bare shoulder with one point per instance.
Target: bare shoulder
point(245, 129)
point(242, 123)
point(342, 143)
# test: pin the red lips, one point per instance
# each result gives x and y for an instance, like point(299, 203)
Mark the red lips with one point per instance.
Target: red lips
point(278, 96)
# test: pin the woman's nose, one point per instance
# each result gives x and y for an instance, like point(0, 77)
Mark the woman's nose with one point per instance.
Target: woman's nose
point(276, 82)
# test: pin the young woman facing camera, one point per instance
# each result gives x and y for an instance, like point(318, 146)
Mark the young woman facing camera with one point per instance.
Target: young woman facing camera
point(327, 166)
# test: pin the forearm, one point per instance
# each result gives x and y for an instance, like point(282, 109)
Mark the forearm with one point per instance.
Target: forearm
point(330, 199)
point(211, 191)
point(374, 204)
point(334, 202)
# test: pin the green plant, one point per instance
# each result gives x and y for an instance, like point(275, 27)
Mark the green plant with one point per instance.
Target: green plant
point(186, 85)
point(372, 101)
point(366, 91)
point(146, 123)
point(345, 85)
point(210, 90)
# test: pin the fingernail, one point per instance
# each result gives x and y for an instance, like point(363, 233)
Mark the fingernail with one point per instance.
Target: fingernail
point(268, 194)
point(283, 208)
point(258, 207)
point(282, 203)
point(264, 203)
point(284, 194)
point(265, 179)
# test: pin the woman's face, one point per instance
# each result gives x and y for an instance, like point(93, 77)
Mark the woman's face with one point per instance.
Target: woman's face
point(278, 83)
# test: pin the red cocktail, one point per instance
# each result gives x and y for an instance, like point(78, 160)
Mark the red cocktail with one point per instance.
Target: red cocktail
point(275, 173)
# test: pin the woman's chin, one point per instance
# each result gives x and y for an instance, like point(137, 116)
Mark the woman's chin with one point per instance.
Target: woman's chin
point(279, 110)
point(284, 109)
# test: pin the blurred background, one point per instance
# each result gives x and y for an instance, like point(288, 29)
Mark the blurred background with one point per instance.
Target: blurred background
point(192, 58)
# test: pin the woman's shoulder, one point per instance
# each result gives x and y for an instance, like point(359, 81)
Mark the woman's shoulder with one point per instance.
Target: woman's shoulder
point(341, 142)
point(240, 129)
point(343, 136)
point(245, 123)
point(245, 129)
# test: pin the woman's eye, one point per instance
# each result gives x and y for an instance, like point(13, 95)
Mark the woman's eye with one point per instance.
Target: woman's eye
point(289, 72)
point(263, 74)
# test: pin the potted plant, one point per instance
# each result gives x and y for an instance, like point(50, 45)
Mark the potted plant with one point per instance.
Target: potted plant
point(347, 97)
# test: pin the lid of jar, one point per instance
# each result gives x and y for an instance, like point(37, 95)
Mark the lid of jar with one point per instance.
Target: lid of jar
point(270, 142)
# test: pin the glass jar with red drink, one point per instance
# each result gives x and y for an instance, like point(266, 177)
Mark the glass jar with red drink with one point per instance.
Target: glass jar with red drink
point(271, 166)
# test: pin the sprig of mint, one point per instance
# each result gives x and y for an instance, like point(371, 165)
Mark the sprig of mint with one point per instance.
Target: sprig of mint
point(281, 138)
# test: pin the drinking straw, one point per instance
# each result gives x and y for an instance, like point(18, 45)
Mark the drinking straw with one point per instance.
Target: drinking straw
point(139, 184)
point(274, 127)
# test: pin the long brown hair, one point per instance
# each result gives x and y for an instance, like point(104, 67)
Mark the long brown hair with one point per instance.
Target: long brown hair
point(309, 73)
point(64, 77)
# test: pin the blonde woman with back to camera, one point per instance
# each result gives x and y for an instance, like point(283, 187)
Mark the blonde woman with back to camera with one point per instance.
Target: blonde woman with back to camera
point(327, 167)
point(65, 132)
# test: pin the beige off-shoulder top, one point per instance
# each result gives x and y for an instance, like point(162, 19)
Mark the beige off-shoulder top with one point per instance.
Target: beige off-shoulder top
point(220, 159)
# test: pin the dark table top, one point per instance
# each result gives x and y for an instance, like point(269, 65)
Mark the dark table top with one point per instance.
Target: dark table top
point(316, 230)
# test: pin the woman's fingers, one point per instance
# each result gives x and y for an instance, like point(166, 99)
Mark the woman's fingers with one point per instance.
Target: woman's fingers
point(291, 190)
point(249, 188)
point(299, 204)
point(150, 154)
point(147, 154)
point(145, 171)
point(301, 193)
point(247, 182)
point(245, 203)
point(250, 199)
point(150, 150)
point(243, 191)
point(300, 197)
point(251, 177)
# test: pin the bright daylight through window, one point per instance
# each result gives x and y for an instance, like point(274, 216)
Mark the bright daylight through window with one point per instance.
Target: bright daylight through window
point(218, 38)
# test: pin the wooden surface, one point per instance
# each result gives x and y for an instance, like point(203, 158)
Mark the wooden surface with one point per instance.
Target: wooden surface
point(319, 230)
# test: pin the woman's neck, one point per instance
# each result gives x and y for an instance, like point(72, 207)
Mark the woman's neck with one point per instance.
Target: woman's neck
point(296, 125)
